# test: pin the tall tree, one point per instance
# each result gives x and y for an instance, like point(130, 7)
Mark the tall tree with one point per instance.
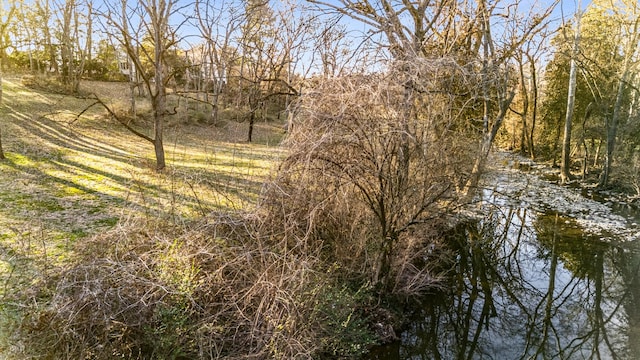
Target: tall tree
point(45, 15)
point(26, 30)
point(598, 65)
point(257, 45)
point(154, 16)
point(565, 166)
point(218, 23)
point(271, 44)
point(627, 14)
point(528, 58)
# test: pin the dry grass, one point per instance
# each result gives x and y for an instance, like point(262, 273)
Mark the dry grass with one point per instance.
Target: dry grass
point(145, 276)
point(210, 292)
point(67, 178)
point(227, 288)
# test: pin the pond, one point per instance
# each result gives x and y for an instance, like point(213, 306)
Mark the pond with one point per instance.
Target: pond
point(530, 282)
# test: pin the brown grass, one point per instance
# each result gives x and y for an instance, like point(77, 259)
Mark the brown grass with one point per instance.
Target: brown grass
point(214, 291)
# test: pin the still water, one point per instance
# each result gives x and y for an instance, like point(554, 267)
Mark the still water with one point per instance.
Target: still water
point(529, 285)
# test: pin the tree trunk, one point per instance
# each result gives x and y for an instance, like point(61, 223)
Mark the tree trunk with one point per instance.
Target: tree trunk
point(504, 100)
point(612, 130)
point(565, 165)
point(585, 159)
point(132, 95)
point(252, 119)
point(524, 134)
point(133, 70)
point(2, 157)
point(524, 137)
point(160, 106)
point(158, 147)
point(66, 45)
point(158, 126)
point(534, 110)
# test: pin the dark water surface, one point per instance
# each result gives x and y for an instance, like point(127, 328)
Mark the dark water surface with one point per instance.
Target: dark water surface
point(529, 285)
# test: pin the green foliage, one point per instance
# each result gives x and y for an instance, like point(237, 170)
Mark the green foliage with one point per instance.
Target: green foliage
point(345, 330)
point(599, 63)
point(167, 336)
point(104, 66)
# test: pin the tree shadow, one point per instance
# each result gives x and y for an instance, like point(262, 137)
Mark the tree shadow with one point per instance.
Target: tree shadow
point(59, 146)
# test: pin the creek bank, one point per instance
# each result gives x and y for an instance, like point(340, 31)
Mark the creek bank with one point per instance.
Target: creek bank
point(539, 270)
point(515, 181)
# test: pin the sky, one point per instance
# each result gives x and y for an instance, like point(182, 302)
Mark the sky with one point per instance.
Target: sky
point(565, 9)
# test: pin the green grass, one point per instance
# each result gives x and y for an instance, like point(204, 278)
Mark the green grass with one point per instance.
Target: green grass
point(67, 178)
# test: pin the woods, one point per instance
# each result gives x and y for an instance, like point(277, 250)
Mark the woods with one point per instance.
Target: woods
point(254, 60)
point(374, 119)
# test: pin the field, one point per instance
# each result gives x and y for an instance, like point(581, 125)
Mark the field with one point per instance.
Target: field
point(67, 178)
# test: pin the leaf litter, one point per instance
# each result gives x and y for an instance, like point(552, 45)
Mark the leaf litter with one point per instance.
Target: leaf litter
point(514, 181)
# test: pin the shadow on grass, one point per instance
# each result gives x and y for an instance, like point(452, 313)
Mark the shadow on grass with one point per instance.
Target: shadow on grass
point(78, 158)
point(53, 135)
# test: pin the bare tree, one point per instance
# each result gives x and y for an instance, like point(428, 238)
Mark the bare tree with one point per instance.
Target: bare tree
point(74, 36)
point(527, 59)
point(154, 17)
point(272, 46)
point(45, 15)
point(333, 48)
point(565, 165)
point(218, 23)
point(459, 30)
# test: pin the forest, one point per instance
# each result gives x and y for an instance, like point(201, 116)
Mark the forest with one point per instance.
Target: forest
point(280, 179)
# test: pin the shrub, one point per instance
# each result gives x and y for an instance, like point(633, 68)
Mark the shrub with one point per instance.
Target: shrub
point(213, 291)
point(373, 169)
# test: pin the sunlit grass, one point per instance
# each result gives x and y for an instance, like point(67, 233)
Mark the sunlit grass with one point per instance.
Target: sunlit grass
point(67, 177)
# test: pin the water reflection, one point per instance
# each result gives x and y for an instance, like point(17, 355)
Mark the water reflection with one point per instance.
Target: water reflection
point(527, 285)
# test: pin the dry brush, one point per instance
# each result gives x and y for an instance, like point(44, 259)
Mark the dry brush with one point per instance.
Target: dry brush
point(356, 211)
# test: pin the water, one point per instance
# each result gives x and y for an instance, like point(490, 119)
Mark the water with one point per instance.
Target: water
point(529, 285)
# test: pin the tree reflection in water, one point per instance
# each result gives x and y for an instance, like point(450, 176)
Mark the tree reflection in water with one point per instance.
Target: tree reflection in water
point(527, 285)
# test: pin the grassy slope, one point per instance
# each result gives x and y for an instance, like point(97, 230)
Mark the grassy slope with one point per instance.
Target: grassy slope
point(65, 180)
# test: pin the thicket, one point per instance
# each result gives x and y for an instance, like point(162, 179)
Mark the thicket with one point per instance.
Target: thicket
point(353, 219)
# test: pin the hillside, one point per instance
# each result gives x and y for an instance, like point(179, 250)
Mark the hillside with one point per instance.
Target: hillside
point(68, 178)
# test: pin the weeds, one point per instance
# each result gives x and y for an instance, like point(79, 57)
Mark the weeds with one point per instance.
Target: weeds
point(213, 291)
point(370, 181)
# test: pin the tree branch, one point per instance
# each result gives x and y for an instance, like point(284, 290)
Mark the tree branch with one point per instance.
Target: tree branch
point(98, 101)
